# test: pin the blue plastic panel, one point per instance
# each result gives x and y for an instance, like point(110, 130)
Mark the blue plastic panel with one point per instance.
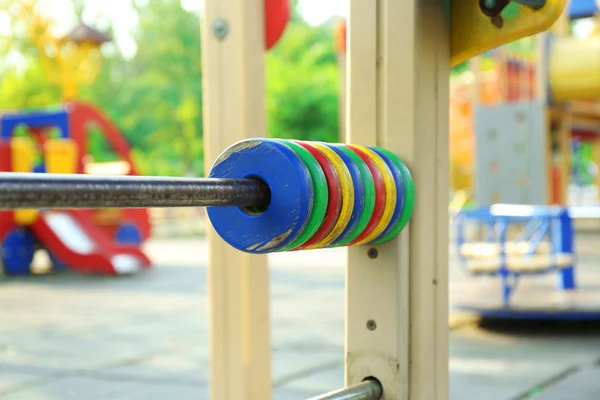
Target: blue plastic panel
point(582, 8)
point(58, 119)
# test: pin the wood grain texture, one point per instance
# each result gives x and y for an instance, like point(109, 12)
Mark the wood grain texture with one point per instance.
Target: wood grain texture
point(238, 284)
point(398, 71)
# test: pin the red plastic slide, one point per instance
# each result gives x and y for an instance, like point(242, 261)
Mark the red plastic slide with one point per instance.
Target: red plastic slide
point(74, 240)
point(82, 115)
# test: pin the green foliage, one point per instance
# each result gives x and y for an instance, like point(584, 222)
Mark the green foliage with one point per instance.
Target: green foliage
point(26, 86)
point(303, 84)
point(155, 97)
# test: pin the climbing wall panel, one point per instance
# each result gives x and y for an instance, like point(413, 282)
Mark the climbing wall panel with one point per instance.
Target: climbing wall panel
point(510, 157)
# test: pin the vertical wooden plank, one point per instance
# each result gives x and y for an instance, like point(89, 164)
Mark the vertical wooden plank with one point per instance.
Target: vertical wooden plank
point(503, 76)
point(561, 28)
point(238, 284)
point(475, 69)
point(596, 159)
point(398, 81)
point(549, 159)
point(564, 144)
point(542, 95)
point(541, 67)
point(341, 62)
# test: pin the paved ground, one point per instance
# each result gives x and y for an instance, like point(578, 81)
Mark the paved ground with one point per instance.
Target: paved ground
point(144, 337)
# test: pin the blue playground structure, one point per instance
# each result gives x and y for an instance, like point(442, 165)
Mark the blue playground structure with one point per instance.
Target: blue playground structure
point(582, 9)
point(517, 248)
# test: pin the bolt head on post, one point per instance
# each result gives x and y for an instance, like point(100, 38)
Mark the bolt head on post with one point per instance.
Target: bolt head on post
point(220, 28)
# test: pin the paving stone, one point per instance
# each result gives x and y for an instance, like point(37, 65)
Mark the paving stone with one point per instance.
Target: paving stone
point(320, 382)
point(11, 381)
point(291, 364)
point(502, 365)
point(285, 393)
point(581, 385)
point(98, 389)
point(146, 337)
point(177, 367)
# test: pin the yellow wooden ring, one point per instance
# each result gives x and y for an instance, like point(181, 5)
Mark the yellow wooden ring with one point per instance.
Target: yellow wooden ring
point(390, 198)
point(347, 191)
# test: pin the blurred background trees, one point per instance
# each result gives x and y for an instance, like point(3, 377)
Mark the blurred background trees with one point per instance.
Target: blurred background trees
point(155, 95)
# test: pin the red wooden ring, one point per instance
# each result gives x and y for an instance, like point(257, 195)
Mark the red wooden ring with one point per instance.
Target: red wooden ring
point(334, 203)
point(380, 194)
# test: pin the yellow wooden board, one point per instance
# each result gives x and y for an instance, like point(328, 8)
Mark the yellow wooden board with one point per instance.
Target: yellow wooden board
point(473, 32)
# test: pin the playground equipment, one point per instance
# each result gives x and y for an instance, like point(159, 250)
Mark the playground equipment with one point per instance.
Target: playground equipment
point(522, 242)
point(88, 240)
point(396, 317)
point(525, 111)
point(293, 195)
point(514, 115)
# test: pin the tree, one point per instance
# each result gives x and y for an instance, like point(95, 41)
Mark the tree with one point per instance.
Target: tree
point(302, 84)
point(156, 96)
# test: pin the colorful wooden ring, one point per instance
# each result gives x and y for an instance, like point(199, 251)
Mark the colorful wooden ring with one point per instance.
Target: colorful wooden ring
point(347, 190)
point(320, 199)
point(334, 204)
point(370, 196)
point(409, 196)
point(390, 198)
point(380, 193)
point(292, 196)
point(359, 190)
point(400, 195)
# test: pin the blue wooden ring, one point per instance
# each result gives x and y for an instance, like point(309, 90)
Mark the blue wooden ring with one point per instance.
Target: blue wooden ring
point(400, 193)
point(292, 196)
point(359, 194)
point(17, 252)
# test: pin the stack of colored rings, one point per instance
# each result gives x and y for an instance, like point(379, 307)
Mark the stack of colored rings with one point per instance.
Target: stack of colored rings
point(322, 195)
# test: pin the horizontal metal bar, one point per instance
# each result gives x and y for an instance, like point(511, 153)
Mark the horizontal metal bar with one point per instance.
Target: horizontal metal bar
point(72, 191)
point(367, 390)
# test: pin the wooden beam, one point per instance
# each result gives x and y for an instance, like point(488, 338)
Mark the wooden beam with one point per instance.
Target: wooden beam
point(596, 159)
point(397, 302)
point(341, 62)
point(238, 284)
point(542, 95)
point(564, 167)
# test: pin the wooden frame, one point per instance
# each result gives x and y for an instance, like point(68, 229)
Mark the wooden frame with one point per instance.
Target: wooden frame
point(238, 284)
point(398, 86)
point(397, 306)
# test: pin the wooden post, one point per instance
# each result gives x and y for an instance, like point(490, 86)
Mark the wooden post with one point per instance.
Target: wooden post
point(596, 159)
point(341, 62)
point(564, 144)
point(542, 95)
point(397, 299)
point(238, 284)
point(561, 28)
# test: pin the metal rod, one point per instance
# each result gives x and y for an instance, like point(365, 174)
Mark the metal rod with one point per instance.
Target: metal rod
point(71, 191)
point(368, 390)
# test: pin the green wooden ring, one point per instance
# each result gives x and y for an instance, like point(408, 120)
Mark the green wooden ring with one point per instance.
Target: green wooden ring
point(369, 205)
point(409, 204)
point(321, 196)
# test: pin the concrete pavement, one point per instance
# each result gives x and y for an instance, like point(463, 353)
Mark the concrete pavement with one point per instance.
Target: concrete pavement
point(69, 336)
